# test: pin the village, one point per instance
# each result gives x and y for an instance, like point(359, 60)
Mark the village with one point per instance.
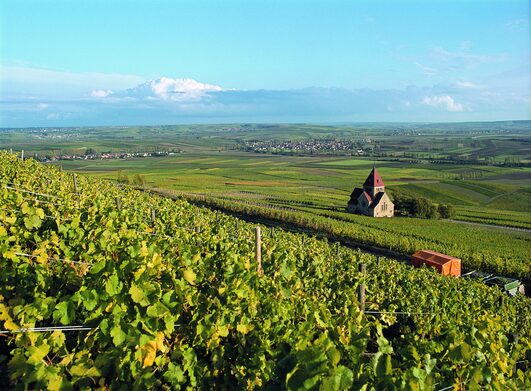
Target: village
point(307, 146)
point(102, 156)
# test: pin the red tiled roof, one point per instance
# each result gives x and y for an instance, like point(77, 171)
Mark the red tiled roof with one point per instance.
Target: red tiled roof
point(368, 196)
point(374, 179)
point(357, 193)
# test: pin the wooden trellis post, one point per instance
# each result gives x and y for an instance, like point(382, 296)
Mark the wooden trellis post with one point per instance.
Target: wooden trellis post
point(75, 184)
point(361, 288)
point(258, 246)
point(153, 219)
point(118, 203)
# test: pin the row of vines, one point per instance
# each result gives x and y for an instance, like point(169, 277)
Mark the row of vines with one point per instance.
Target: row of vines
point(490, 250)
point(110, 288)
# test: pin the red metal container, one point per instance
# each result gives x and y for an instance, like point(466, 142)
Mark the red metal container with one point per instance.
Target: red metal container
point(445, 264)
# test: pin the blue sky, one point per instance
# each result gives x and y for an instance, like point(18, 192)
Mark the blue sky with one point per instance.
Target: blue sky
point(82, 62)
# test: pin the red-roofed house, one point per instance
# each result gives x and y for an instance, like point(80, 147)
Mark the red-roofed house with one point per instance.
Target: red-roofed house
point(371, 200)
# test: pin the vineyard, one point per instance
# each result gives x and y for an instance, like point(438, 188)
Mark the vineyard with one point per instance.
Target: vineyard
point(484, 249)
point(111, 288)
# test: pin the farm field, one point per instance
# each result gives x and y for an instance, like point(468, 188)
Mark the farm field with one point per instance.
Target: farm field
point(485, 142)
point(107, 286)
point(497, 195)
point(317, 188)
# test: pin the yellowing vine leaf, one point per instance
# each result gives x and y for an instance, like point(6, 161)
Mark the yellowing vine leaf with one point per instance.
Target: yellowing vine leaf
point(189, 276)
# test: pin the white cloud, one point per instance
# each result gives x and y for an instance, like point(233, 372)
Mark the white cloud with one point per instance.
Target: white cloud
point(442, 101)
point(100, 93)
point(468, 85)
point(42, 106)
point(428, 71)
point(168, 89)
point(181, 89)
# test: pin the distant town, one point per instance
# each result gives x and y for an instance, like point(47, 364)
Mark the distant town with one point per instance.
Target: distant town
point(104, 155)
point(307, 146)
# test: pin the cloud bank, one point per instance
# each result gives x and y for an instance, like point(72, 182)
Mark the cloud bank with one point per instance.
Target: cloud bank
point(102, 100)
point(442, 101)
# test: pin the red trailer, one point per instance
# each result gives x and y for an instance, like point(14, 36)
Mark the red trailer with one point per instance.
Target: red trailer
point(445, 264)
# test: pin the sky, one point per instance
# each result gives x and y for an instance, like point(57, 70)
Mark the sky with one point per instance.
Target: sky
point(72, 63)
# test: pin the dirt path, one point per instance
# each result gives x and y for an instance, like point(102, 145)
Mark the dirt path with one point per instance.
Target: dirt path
point(498, 196)
point(502, 227)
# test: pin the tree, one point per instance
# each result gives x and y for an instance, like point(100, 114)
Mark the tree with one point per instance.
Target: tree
point(122, 178)
point(414, 206)
point(446, 211)
point(138, 180)
point(424, 208)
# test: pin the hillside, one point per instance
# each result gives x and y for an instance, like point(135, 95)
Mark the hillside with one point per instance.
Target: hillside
point(106, 287)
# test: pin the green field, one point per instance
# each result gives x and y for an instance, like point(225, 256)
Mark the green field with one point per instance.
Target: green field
point(327, 182)
point(483, 142)
point(315, 188)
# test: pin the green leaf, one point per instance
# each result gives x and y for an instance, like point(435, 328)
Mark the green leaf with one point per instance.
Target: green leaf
point(382, 365)
point(37, 353)
point(58, 383)
point(57, 338)
point(97, 267)
point(117, 334)
point(333, 355)
point(487, 374)
point(157, 310)
point(419, 373)
point(82, 371)
point(461, 352)
point(113, 285)
point(64, 312)
point(341, 379)
point(138, 295)
point(244, 328)
point(174, 375)
point(90, 299)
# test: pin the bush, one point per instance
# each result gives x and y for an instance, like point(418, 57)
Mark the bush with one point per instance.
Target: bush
point(446, 211)
point(415, 207)
point(122, 178)
point(424, 208)
point(138, 180)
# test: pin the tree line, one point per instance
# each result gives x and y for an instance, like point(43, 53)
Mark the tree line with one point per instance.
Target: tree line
point(421, 207)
